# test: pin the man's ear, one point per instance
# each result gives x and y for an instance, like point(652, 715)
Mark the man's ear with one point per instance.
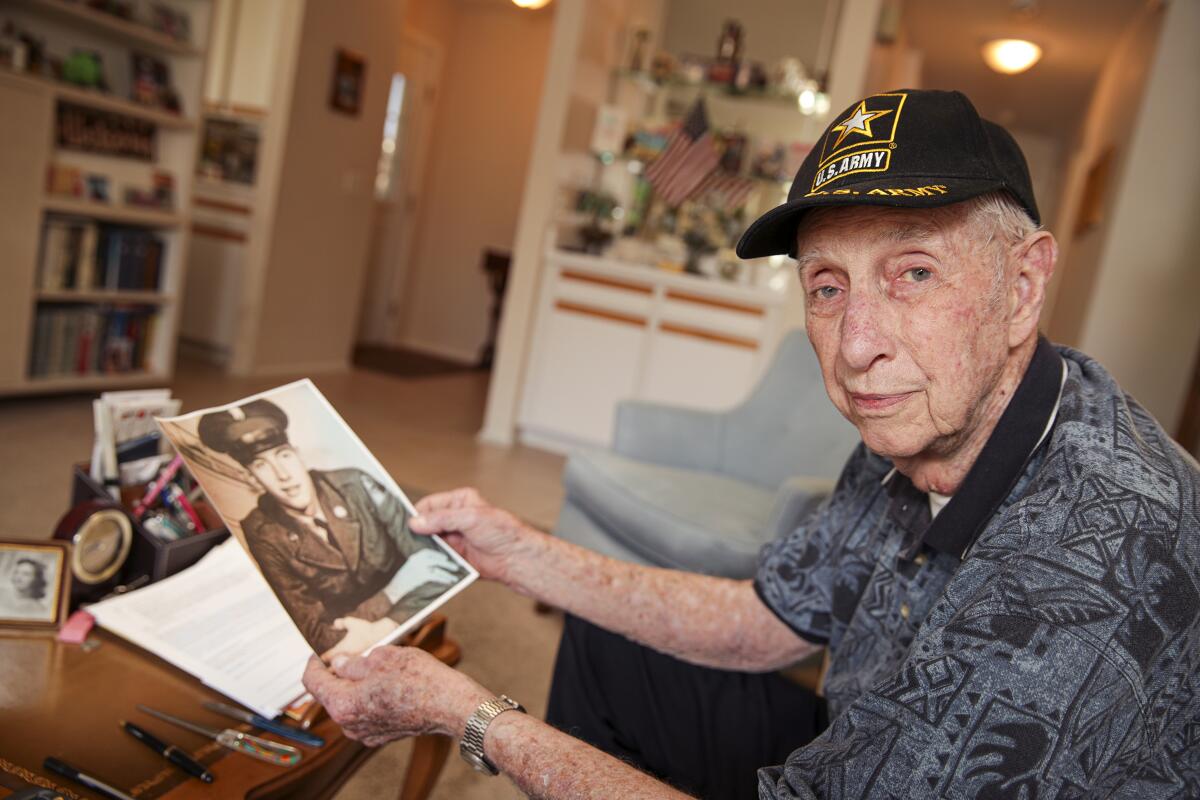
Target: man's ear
point(1031, 266)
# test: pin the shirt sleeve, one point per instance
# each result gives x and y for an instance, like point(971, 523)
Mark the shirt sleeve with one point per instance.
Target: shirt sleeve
point(992, 705)
point(812, 573)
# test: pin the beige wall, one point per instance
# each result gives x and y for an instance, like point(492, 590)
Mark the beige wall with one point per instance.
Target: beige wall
point(303, 315)
point(1116, 103)
point(1144, 319)
point(488, 103)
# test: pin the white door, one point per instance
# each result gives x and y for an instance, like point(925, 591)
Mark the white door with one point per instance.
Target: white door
point(404, 155)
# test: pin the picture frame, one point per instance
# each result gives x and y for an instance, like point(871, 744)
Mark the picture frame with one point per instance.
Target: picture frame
point(349, 77)
point(35, 580)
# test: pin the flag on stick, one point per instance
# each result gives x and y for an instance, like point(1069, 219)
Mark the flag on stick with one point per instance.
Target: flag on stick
point(688, 158)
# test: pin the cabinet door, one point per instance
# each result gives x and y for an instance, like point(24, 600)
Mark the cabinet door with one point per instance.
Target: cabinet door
point(698, 370)
point(586, 361)
point(25, 125)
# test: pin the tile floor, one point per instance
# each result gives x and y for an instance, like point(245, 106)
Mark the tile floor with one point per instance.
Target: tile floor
point(423, 431)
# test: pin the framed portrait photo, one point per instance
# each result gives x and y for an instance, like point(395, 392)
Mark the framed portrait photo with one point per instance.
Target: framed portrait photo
point(349, 76)
point(34, 583)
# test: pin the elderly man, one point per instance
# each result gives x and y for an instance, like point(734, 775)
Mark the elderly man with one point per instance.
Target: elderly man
point(1005, 578)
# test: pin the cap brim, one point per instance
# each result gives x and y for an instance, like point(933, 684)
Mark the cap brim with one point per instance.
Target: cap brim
point(774, 233)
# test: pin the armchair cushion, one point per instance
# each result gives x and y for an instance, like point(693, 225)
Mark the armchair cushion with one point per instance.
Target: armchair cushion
point(668, 435)
point(668, 516)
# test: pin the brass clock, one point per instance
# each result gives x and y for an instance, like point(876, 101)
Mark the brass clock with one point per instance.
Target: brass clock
point(101, 536)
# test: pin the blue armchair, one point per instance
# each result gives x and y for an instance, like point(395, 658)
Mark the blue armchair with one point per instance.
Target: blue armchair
point(703, 491)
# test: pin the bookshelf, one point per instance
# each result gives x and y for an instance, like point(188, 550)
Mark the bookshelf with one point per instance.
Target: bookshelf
point(104, 312)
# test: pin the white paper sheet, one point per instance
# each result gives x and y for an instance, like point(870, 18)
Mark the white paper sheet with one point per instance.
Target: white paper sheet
point(219, 621)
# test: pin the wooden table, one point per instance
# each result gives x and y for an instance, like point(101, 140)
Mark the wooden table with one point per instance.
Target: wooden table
point(67, 701)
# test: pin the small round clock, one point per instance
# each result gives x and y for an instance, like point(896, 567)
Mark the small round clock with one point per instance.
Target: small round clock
point(101, 536)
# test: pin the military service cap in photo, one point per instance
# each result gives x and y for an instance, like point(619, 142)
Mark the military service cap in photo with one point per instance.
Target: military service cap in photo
point(244, 431)
point(911, 148)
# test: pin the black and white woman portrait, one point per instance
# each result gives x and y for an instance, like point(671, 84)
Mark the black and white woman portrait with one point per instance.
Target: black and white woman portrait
point(30, 577)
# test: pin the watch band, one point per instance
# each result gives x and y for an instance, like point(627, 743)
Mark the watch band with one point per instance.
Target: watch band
point(471, 746)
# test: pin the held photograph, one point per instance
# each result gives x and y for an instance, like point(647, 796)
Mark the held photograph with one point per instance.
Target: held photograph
point(322, 520)
point(33, 583)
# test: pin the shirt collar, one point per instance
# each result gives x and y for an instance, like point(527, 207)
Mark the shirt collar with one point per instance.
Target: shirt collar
point(1025, 424)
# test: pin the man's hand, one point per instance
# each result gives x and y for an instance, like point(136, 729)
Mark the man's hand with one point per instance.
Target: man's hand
point(393, 693)
point(491, 539)
point(360, 635)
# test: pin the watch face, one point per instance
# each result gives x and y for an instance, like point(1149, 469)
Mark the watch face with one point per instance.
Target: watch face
point(101, 546)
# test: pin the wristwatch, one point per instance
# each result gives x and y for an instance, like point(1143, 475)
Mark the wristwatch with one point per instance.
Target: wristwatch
point(471, 746)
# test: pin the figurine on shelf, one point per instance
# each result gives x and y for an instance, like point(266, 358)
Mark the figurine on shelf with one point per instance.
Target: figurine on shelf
point(85, 68)
point(172, 22)
point(729, 53)
point(97, 188)
point(151, 83)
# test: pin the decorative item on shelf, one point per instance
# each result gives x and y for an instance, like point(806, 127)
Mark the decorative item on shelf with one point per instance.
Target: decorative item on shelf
point(349, 76)
point(160, 196)
point(637, 54)
point(64, 181)
point(34, 583)
point(608, 133)
point(733, 150)
point(26, 52)
point(14, 52)
point(173, 22)
point(151, 83)
point(98, 189)
point(600, 208)
point(662, 67)
point(90, 130)
point(85, 68)
point(729, 53)
point(230, 150)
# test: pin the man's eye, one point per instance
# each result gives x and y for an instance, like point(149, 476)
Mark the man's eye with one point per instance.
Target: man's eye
point(826, 292)
point(920, 274)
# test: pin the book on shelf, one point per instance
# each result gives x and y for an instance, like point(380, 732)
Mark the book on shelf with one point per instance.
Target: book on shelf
point(91, 340)
point(83, 255)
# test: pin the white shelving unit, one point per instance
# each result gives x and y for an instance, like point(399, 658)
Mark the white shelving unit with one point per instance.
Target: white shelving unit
point(28, 109)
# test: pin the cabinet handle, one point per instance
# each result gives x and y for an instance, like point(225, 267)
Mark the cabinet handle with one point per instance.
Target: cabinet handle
point(720, 338)
point(588, 311)
point(612, 283)
point(730, 305)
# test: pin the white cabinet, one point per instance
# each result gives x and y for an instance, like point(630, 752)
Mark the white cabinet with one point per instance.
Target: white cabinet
point(608, 331)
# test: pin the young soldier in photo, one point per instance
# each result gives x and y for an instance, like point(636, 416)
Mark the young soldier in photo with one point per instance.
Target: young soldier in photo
point(332, 544)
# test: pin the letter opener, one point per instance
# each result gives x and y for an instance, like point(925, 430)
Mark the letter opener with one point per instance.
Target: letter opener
point(262, 749)
point(268, 725)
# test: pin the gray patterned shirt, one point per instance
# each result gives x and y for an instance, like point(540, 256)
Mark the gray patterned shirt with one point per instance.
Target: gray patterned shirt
point(1040, 638)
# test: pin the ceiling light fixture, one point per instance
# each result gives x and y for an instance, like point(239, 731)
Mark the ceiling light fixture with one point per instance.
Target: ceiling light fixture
point(532, 5)
point(1011, 56)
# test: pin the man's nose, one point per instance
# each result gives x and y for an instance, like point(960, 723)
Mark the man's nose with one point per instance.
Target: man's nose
point(865, 334)
point(281, 471)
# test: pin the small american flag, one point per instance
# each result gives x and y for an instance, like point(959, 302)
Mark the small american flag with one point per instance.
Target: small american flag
point(688, 158)
point(726, 190)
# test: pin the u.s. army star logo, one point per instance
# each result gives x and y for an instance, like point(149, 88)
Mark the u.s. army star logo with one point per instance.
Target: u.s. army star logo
point(858, 122)
point(861, 142)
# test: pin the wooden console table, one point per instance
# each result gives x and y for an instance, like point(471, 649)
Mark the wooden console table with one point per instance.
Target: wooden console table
point(67, 701)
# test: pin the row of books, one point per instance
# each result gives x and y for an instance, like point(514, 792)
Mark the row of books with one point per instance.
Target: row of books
point(90, 340)
point(83, 255)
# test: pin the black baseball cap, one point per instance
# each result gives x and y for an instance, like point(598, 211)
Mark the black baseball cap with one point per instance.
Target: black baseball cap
point(909, 148)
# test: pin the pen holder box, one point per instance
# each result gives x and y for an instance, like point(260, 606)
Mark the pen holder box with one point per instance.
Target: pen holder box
point(150, 555)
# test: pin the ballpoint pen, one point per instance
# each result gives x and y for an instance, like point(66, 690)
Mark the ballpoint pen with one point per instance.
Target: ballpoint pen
point(170, 752)
point(262, 749)
point(268, 725)
point(95, 784)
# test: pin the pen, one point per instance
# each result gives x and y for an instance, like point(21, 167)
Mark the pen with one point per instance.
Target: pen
point(96, 785)
point(268, 725)
point(170, 752)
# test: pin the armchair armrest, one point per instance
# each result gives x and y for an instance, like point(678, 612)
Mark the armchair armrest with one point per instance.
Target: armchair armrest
point(668, 435)
point(796, 498)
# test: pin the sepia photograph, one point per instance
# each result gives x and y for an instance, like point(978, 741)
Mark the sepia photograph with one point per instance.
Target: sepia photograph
point(32, 583)
point(320, 517)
